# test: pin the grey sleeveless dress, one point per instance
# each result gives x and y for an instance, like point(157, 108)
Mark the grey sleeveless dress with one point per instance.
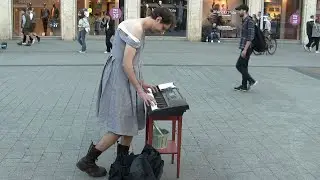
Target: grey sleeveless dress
point(119, 109)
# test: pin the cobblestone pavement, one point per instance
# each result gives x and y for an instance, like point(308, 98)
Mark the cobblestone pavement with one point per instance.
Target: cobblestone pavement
point(47, 108)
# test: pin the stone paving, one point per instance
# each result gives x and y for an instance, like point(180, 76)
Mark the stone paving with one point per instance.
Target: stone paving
point(47, 108)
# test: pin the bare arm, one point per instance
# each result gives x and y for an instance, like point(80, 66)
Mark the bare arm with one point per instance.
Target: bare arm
point(129, 54)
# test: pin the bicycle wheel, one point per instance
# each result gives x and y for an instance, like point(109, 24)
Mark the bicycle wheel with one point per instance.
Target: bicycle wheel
point(272, 45)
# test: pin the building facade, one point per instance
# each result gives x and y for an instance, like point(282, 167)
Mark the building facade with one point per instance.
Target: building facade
point(288, 18)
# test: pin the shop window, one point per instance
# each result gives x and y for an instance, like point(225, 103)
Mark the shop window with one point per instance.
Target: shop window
point(177, 7)
point(98, 9)
point(48, 25)
point(220, 19)
point(285, 18)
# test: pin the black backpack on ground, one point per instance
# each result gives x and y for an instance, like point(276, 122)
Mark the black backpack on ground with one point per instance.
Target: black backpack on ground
point(259, 42)
point(145, 166)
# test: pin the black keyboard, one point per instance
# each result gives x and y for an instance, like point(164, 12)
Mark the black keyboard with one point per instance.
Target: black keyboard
point(170, 102)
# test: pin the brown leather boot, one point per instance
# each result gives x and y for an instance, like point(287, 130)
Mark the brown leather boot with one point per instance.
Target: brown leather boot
point(88, 163)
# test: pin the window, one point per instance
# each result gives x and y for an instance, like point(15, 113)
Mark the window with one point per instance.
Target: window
point(220, 16)
point(177, 7)
point(48, 25)
point(285, 17)
point(97, 10)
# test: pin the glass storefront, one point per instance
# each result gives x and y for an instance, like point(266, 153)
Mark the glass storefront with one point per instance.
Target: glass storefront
point(285, 17)
point(177, 7)
point(222, 17)
point(97, 9)
point(47, 17)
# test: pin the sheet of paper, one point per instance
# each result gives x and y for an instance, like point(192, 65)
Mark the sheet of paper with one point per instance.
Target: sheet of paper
point(166, 85)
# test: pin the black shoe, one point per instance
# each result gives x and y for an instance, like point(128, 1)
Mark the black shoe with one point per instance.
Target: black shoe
point(87, 164)
point(38, 38)
point(251, 84)
point(241, 88)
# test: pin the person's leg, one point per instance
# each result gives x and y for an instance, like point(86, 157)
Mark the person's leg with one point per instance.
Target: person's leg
point(249, 77)
point(310, 41)
point(79, 38)
point(87, 163)
point(317, 43)
point(84, 45)
point(45, 25)
point(108, 42)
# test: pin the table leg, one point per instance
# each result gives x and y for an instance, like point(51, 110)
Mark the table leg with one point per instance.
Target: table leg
point(150, 131)
point(179, 145)
point(174, 125)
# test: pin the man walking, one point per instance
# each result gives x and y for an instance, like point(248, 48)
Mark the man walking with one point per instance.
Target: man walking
point(247, 36)
point(310, 25)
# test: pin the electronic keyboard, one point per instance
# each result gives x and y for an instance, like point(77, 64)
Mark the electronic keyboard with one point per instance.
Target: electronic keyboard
point(169, 101)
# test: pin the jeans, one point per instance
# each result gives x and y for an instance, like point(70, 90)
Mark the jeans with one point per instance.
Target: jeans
point(242, 66)
point(82, 40)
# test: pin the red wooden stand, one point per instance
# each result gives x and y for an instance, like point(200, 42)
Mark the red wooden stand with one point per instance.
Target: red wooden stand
point(173, 146)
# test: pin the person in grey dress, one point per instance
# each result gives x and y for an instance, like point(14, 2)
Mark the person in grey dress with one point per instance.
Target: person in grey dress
point(122, 93)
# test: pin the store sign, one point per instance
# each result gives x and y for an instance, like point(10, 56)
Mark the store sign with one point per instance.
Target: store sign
point(115, 13)
point(295, 19)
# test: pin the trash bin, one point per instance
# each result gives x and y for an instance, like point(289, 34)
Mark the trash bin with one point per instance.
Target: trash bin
point(160, 138)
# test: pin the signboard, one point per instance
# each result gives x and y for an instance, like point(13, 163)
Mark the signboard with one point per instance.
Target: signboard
point(295, 19)
point(115, 13)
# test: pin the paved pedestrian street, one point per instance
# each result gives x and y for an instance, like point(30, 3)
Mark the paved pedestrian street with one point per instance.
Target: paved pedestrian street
point(47, 111)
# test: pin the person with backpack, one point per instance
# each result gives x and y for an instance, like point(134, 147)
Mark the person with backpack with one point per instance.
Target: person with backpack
point(246, 47)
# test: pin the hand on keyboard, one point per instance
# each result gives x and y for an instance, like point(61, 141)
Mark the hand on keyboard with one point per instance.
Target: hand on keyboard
point(149, 100)
point(147, 86)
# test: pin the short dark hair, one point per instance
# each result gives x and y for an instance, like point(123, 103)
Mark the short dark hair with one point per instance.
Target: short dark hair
point(312, 16)
point(165, 13)
point(243, 7)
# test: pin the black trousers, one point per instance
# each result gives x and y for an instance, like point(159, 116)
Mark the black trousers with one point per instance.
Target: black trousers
point(242, 66)
point(109, 34)
point(310, 41)
point(316, 42)
point(45, 25)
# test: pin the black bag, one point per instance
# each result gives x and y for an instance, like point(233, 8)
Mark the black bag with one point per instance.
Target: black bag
point(259, 43)
point(146, 166)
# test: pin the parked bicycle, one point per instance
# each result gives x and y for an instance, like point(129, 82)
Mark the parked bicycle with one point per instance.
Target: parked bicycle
point(271, 44)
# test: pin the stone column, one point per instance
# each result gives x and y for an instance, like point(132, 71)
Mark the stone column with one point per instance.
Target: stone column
point(309, 8)
point(68, 19)
point(194, 20)
point(255, 6)
point(132, 9)
point(6, 19)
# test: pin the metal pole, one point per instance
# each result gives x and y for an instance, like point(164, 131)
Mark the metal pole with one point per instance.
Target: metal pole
point(262, 14)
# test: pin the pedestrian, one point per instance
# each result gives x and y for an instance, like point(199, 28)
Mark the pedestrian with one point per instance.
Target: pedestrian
point(122, 92)
point(309, 27)
point(247, 36)
point(316, 35)
point(109, 25)
point(84, 28)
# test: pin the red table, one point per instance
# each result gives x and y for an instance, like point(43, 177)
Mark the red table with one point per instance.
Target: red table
point(173, 146)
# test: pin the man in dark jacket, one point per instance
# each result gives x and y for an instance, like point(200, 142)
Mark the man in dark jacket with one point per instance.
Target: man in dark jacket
point(310, 24)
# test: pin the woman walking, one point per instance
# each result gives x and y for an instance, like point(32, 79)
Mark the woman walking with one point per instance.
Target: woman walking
point(84, 28)
point(122, 91)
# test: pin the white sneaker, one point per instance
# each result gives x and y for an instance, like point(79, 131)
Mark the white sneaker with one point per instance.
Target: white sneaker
point(106, 52)
point(82, 52)
point(317, 52)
